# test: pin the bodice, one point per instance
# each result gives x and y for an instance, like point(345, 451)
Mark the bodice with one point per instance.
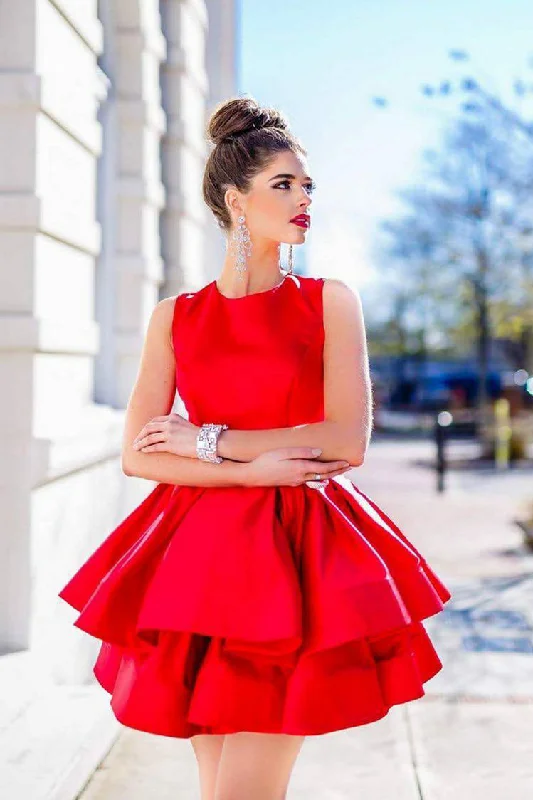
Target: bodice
point(254, 361)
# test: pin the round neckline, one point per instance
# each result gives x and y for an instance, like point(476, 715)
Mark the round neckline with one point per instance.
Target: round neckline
point(253, 294)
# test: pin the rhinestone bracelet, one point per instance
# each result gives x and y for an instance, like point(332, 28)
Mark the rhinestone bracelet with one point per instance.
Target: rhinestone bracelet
point(206, 442)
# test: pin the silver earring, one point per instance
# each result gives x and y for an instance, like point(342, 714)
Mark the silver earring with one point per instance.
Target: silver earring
point(243, 245)
point(289, 270)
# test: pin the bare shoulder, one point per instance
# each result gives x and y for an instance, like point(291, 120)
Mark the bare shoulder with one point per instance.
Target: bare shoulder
point(340, 299)
point(164, 309)
point(162, 317)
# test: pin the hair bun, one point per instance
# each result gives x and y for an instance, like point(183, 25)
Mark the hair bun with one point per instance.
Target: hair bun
point(240, 115)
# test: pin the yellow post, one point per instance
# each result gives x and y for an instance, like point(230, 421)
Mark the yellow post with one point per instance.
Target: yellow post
point(502, 433)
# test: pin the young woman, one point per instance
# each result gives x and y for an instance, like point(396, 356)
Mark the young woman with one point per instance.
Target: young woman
point(256, 596)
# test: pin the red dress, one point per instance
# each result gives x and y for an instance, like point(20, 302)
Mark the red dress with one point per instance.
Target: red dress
point(277, 609)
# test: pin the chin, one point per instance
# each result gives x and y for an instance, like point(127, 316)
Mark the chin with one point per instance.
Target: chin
point(298, 235)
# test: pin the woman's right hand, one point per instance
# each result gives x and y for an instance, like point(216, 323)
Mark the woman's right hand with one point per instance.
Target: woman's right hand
point(290, 466)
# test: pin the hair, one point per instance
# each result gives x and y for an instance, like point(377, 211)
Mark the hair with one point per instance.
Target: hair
point(246, 139)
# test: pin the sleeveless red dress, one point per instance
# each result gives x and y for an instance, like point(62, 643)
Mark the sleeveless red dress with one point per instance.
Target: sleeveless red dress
point(276, 609)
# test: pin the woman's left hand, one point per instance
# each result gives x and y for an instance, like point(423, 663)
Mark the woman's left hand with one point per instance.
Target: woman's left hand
point(170, 434)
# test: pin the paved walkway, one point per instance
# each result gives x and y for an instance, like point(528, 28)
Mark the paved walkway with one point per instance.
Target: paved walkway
point(472, 733)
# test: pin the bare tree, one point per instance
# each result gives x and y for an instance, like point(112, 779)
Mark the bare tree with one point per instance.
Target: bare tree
point(465, 226)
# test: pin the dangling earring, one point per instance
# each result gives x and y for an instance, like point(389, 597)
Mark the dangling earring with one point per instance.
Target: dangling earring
point(243, 245)
point(288, 271)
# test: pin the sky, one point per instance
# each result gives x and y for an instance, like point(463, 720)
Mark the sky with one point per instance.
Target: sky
point(321, 63)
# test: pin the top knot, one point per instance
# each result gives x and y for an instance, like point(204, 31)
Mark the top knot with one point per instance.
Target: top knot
point(241, 115)
point(230, 137)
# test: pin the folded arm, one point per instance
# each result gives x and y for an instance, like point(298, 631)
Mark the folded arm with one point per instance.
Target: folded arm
point(343, 434)
point(346, 429)
point(153, 395)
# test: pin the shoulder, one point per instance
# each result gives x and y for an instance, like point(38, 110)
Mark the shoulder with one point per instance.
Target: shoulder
point(163, 311)
point(332, 287)
point(342, 307)
point(336, 295)
point(338, 291)
point(161, 321)
point(339, 297)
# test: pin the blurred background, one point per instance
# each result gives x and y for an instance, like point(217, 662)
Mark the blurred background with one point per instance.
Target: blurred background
point(418, 122)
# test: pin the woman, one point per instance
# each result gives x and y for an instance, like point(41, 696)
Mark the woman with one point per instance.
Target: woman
point(256, 596)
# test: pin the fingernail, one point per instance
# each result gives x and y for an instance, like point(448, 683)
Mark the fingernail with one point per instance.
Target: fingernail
point(316, 451)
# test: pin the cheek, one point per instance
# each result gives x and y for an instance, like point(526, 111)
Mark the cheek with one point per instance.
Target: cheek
point(272, 210)
point(268, 213)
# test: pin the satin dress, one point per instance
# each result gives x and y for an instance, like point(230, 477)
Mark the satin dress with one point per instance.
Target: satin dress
point(276, 609)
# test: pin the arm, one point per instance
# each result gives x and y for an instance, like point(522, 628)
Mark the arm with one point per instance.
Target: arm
point(152, 395)
point(345, 431)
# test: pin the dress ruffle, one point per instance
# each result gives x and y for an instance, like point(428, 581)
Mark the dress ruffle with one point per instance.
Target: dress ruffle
point(271, 609)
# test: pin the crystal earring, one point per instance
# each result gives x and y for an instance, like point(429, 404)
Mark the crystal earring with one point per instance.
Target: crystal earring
point(288, 271)
point(243, 245)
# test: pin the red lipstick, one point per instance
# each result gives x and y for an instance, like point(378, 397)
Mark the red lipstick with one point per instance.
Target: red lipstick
point(302, 220)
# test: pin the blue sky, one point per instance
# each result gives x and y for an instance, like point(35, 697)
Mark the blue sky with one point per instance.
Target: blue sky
point(322, 62)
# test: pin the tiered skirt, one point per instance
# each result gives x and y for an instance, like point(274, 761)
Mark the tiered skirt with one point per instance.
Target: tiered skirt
point(271, 609)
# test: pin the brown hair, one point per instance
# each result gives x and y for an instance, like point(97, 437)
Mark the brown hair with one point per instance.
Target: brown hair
point(247, 138)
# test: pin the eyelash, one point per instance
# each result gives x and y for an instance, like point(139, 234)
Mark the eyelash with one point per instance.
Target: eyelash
point(310, 186)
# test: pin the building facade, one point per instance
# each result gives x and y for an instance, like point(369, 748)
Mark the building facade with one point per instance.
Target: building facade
point(103, 107)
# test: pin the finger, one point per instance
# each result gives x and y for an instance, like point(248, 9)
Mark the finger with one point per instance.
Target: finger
point(154, 439)
point(326, 466)
point(151, 438)
point(325, 476)
point(143, 433)
point(341, 467)
point(140, 435)
point(338, 471)
point(300, 452)
point(149, 428)
point(152, 448)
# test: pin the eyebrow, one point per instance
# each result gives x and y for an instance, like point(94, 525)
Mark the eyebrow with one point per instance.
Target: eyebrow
point(288, 175)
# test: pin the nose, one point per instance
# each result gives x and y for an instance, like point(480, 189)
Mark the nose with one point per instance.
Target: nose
point(306, 201)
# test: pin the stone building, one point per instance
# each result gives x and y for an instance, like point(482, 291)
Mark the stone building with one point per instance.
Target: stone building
point(103, 108)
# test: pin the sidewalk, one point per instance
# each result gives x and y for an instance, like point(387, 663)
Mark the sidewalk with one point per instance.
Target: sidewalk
point(484, 635)
point(472, 732)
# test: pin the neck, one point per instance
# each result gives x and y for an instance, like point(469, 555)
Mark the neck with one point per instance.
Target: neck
point(262, 273)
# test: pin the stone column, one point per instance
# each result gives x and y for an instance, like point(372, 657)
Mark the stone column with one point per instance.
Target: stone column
point(184, 87)
point(139, 192)
point(49, 143)
point(222, 63)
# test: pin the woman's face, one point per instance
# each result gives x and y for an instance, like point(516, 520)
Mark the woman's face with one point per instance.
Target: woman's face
point(277, 194)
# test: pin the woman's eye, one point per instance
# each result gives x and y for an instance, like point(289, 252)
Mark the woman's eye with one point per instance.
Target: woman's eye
point(309, 186)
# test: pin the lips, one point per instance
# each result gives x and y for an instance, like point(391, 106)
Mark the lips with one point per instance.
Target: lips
point(303, 220)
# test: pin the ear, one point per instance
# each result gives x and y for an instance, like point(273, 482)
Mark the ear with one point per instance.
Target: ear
point(232, 200)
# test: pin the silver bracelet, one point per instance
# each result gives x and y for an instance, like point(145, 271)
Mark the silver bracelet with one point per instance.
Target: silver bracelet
point(206, 442)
